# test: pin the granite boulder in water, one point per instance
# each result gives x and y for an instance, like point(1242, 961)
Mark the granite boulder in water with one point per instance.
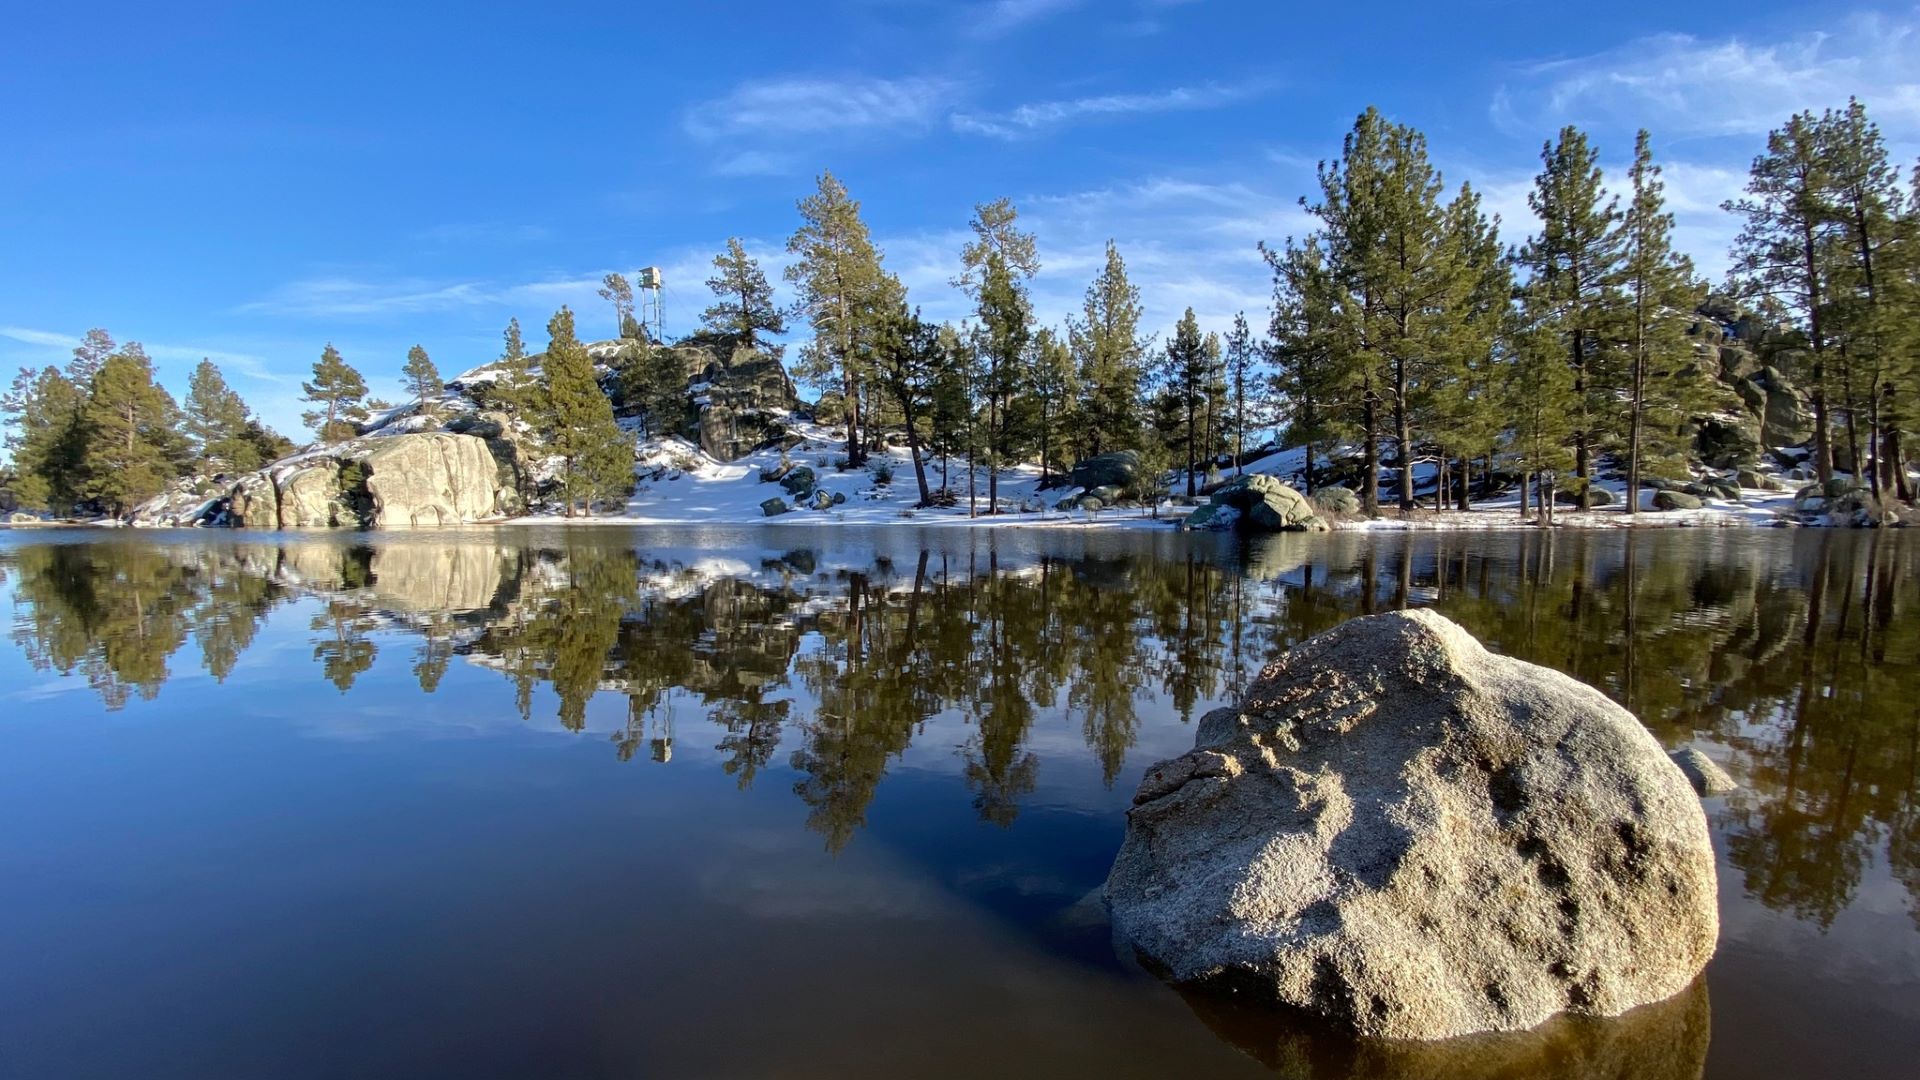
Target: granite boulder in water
point(1415, 838)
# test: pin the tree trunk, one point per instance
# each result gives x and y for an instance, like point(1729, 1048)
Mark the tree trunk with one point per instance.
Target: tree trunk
point(1370, 451)
point(1582, 453)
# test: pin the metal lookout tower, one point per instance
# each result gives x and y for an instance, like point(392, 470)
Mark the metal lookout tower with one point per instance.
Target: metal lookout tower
point(652, 302)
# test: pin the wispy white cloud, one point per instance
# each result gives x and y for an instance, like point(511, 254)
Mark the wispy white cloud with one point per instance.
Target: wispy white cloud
point(45, 338)
point(1036, 117)
point(1000, 17)
point(1683, 84)
point(55, 344)
point(803, 107)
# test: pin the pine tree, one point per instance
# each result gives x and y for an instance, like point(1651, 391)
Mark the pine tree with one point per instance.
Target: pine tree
point(996, 232)
point(618, 291)
point(1784, 252)
point(1006, 323)
point(844, 295)
point(216, 424)
point(1214, 398)
point(1185, 380)
point(45, 415)
point(743, 300)
point(909, 361)
point(1053, 386)
point(1384, 234)
point(1866, 328)
point(1242, 354)
point(1111, 357)
point(951, 421)
point(129, 433)
point(420, 377)
point(596, 458)
point(1540, 402)
point(516, 388)
point(656, 384)
point(1316, 376)
point(89, 356)
point(340, 391)
point(1662, 390)
point(1573, 267)
point(1352, 242)
point(1468, 414)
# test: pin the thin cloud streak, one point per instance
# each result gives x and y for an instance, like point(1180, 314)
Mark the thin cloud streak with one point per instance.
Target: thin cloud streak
point(799, 107)
point(1037, 117)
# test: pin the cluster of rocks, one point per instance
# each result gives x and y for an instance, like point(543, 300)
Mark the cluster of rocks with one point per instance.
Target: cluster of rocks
point(1415, 838)
point(397, 481)
point(1841, 501)
point(801, 485)
point(1258, 503)
point(739, 398)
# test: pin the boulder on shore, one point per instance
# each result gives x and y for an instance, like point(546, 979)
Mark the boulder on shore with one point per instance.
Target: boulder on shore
point(1676, 500)
point(1415, 838)
point(1260, 503)
point(1120, 469)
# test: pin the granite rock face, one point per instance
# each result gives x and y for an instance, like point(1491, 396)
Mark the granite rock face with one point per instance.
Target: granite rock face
point(1415, 838)
point(436, 478)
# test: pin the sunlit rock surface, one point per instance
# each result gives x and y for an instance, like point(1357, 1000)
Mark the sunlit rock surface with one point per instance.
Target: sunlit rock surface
point(1415, 838)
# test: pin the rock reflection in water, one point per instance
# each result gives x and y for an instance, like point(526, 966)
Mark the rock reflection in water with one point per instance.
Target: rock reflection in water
point(1663, 1041)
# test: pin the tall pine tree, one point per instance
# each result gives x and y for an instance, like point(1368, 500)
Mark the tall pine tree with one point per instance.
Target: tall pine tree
point(1573, 267)
point(1658, 303)
point(216, 424)
point(743, 300)
point(130, 434)
point(340, 392)
point(843, 295)
point(1111, 357)
point(596, 458)
point(420, 377)
point(1784, 252)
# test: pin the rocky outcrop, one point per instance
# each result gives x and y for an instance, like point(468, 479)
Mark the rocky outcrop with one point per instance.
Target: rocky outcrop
point(430, 479)
point(1258, 503)
point(252, 503)
point(394, 481)
point(310, 497)
point(187, 502)
point(1414, 838)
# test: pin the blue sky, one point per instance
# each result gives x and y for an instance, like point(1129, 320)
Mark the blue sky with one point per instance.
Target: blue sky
point(249, 181)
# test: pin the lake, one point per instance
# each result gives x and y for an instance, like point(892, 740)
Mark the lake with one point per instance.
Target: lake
point(607, 802)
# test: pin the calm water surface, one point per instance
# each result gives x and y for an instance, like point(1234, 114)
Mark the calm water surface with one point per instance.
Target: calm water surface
point(613, 803)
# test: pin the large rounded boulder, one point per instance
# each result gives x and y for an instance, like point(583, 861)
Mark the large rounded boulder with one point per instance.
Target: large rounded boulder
point(1415, 838)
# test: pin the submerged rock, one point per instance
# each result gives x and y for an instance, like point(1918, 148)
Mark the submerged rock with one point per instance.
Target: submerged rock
point(1415, 838)
point(1704, 773)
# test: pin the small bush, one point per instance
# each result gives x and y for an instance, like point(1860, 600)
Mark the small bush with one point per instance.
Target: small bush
point(882, 470)
point(839, 462)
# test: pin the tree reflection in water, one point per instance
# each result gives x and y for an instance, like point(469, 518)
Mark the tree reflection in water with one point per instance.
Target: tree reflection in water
point(1797, 654)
